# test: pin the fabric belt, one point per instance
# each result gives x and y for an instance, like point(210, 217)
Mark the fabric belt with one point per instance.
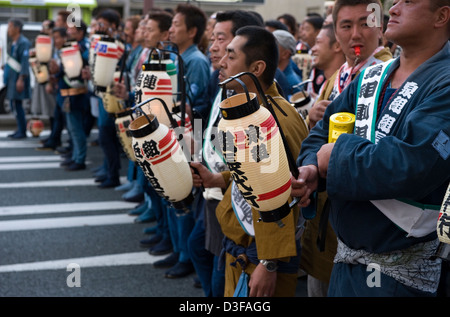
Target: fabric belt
point(73, 91)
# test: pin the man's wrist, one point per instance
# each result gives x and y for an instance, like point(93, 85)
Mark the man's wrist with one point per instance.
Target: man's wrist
point(270, 265)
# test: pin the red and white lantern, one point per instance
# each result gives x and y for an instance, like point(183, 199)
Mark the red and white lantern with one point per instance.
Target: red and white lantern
point(105, 63)
point(155, 82)
point(162, 160)
point(43, 48)
point(122, 122)
point(71, 59)
point(254, 151)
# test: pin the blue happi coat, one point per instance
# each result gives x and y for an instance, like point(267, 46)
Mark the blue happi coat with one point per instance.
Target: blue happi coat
point(411, 162)
point(20, 52)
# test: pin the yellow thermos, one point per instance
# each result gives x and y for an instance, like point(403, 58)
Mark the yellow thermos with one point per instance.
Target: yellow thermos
point(341, 122)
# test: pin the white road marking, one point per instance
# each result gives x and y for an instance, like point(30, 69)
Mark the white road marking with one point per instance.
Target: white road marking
point(56, 183)
point(67, 207)
point(136, 258)
point(65, 222)
point(38, 158)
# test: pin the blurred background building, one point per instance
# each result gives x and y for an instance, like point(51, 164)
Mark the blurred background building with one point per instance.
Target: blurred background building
point(39, 10)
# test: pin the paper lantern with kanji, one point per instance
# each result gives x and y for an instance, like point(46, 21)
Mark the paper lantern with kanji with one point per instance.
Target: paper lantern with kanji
point(106, 59)
point(122, 122)
point(162, 160)
point(171, 69)
point(155, 82)
point(254, 152)
point(43, 48)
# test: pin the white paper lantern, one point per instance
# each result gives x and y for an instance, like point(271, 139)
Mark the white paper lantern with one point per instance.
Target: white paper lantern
point(162, 160)
point(71, 59)
point(254, 151)
point(155, 82)
point(122, 122)
point(43, 48)
point(106, 60)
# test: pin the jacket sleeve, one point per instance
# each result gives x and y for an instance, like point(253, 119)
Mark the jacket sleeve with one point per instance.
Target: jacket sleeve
point(406, 164)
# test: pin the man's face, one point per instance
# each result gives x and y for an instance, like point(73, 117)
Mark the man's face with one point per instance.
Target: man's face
point(321, 51)
point(139, 34)
point(153, 34)
point(233, 61)
point(73, 33)
point(221, 37)
point(60, 22)
point(178, 32)
point(308, 33)
point(409, 21)
point(12, 30)
point(129, 32)
point(58, 40)
point(352, 30)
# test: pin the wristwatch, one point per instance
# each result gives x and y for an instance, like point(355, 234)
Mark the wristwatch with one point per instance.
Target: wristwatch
point(270, 266)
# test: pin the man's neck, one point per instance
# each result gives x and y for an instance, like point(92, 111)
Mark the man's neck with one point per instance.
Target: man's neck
point(334, 65)
point(15, 37)
point(411, 58)
point(283, 64)
point(184, 46)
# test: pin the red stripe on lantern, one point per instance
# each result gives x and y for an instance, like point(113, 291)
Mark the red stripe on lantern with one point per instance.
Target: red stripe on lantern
point(276, 192)
point(151, 93)
point(174, 149)
point(166, 140)
point(164, 82)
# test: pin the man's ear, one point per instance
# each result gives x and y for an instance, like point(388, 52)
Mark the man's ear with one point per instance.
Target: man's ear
point(258, 67)
point(192, 32)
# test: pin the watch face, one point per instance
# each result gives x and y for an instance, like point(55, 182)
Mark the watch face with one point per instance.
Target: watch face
point(271, 266)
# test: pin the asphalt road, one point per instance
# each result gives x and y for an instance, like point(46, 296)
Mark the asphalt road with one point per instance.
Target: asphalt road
point(52, 220)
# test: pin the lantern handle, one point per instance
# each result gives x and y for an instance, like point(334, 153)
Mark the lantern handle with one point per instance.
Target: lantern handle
point(268, 106)
point(150, 54)
point(173, 122)
point(181, 78)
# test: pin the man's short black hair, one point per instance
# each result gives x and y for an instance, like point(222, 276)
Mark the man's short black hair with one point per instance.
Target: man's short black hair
point(238, 18)
point(17, 23)
point(110, 15)
point(193, 17)
point(261, 45)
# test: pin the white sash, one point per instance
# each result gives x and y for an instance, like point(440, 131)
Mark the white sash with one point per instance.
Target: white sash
point(416, 219)
point(242, 210)
point(213, 158)
point(15, 65)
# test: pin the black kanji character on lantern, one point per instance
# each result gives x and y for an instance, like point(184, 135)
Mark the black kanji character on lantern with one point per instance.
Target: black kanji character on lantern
point(138, 96)
point(259, 152)
point(227, 145)
point(149, 81)
point(250, 198)
point(253, 134)
point(137, 150)
point(150, 148)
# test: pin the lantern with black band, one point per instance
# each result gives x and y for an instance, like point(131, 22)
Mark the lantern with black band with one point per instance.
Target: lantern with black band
point(242, 116)
point(161, 158)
